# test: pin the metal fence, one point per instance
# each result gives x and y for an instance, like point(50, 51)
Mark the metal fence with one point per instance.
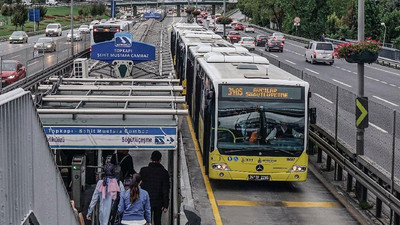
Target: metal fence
point(30, 183)
point(379, 144)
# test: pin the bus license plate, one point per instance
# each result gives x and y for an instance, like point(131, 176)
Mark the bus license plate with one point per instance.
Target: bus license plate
point(259, 177)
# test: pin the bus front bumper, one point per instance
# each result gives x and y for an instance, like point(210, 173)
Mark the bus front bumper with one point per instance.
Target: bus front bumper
point(256, 176)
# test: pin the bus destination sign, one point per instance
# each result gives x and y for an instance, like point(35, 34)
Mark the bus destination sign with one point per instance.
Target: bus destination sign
point(261, 92)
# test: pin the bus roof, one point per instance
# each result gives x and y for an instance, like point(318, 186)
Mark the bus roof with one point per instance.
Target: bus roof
point(244, 68)
point(191, 40)
point(216, 47)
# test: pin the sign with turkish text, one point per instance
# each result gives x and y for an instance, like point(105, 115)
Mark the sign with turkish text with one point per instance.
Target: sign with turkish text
point(261, 92)
point(115, 137)
point(123, 47)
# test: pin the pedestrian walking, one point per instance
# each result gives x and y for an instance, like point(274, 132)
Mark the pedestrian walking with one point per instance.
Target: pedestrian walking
point(155, 180)
point(323, 37)
point(107, 190)
point(124, 164)
point(134, 205)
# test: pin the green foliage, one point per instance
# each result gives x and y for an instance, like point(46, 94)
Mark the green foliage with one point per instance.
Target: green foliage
point(20, 15)
point(372, 19)
point(224, 20)
point(97, 9)
point(6, 11)
point(43, 12)
point(332, 25)
point(392, 22)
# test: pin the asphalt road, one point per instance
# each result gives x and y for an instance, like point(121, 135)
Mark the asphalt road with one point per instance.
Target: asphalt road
point(382, 87)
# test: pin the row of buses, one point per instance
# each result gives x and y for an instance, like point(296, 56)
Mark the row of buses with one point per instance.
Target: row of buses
point(251, 118)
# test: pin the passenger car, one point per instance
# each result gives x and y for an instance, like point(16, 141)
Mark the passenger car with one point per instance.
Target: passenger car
point(11, 71)
point(273, 44)
point(93, 23)
point(248, 42)
point(45, 45)
point(278, 36)
point(249, 28)
point(219, 28)
point(77, 35)
point(53, 29)
point(84, 29)
point(18, 37)
point(234, 36)
point(319, 52)
point(261, 40)
point(239, 26)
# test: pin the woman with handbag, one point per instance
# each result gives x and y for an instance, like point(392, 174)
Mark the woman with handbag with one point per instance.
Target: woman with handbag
point(134, 204)
point(107, 190)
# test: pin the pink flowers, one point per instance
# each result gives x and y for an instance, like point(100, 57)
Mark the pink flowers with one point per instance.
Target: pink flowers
point(355, 48)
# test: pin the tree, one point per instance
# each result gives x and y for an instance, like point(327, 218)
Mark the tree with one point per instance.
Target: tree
point(332, 26)
point(85, 13)
point(20, 15)
point(392, 22)
point(93, 10)
point(6, 11)
point(372, 19)
point(80, 12)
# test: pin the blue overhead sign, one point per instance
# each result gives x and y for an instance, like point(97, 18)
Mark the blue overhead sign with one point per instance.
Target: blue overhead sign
point(152, 15)
point(34, 15)
point(123, 47)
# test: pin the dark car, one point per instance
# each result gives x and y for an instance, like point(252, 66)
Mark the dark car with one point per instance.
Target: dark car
point(234, 36)
point(11, 71)
point(45, 45)
point(261, 40)
point(273, 44)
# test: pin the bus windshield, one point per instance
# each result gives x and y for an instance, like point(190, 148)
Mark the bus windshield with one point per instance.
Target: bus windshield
point(261, 128)
point(102, 36)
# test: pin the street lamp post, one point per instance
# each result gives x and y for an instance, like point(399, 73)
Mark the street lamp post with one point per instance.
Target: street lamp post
point(384, 34)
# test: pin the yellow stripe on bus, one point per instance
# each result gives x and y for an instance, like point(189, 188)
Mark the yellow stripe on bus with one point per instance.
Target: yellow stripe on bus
point(210, 193)
point(280, 204)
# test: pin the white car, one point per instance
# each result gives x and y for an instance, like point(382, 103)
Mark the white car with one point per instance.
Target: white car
point(249, 29)
point(94, 22)
point(320, 52)
point(278, 37)
point(84, 29)
point(248, 42)
point(77, 35)
point(219, 28)
point(53, 29)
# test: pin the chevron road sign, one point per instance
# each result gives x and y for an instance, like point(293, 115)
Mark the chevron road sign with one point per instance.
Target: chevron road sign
point(362, 112)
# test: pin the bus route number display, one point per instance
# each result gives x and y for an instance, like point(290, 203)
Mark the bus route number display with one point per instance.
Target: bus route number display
point(261, 92)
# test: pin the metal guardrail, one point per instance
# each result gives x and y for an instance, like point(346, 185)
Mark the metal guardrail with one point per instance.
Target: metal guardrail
point(381, 60)
point(370, 175)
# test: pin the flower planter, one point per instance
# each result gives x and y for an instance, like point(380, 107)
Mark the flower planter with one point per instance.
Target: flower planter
point(363, 57)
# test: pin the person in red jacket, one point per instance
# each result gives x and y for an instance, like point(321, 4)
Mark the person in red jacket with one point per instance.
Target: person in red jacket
point(155, 180)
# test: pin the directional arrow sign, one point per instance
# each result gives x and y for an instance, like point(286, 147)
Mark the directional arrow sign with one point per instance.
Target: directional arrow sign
point(362, 112)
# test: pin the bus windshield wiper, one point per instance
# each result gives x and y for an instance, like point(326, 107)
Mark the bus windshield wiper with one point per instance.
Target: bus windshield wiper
point(281, 151)
point(242, 150)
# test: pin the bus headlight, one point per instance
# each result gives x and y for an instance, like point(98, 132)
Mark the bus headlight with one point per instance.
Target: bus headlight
point(297, 168)
point(220, 166)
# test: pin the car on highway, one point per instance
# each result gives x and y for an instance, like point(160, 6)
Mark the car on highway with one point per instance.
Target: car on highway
point(77, 35)
point(239, 26)
point(233, 24)
point(249, 29)
point(18, 37)
point(273, 44)
point(234, 36)
point(45, 45)
point(317, 51)
point(211, 25)
point(93, 23)
point(11, 71)
point(53, 29)
point(278, 36)
point(103, 21)
point(219, 29)
point(261, 40)
point(248, 42)
point(84, 29)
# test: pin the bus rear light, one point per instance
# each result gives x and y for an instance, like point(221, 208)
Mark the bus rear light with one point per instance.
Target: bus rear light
point(95, 30)
point(118, 30)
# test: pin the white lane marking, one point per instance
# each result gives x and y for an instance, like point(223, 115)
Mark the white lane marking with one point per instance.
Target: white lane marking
point(15, 57)
point(336, 67)
point(64, 50)
point(290, 62)
point(50, 56)
point(393, 85)
point(378, 128)
point(293, 52)
point(341, 83)
point(322, 97)
point(312, 71)
point(383, 82)
point(274, 55)
point(372, 67)
point(354, 73)
point(33, 63)
point(384, 100)
point(299, 46)
point(372, 78)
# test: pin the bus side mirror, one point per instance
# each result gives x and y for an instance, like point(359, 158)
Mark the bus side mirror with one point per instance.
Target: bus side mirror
point(313, 115)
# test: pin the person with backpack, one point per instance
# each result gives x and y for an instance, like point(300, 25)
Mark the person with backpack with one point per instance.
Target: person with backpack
point(135, 204)
point(156, 181)
point(108, 190)
point(124, 164)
